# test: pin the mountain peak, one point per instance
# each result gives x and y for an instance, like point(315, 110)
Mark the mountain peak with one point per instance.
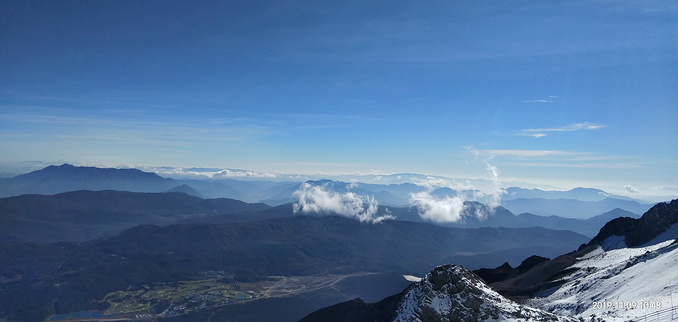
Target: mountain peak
point(184, 188)
point(66, 177)
point(69, 168)
point(454, 293)
point(636, 232)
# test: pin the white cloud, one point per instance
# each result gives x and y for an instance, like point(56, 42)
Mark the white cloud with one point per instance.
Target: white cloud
point(631, 189)
point(432, 182)
point(522, 153)
point(577, 164)
point(352, 185)
point(534, 135)
point(560, 159)
point(208, 173)
point(440, 210)
point(241, 173)
point(537, 133)
point(447, 209)
point(495, 196)
point(320, 199)
point(550, 99)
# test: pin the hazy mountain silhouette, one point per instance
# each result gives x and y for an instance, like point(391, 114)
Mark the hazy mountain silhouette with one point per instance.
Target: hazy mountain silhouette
point(184, 188)
point(570, 208)
point(582, 194)
point(66, 177)
point(502, 217)
point(84, 215)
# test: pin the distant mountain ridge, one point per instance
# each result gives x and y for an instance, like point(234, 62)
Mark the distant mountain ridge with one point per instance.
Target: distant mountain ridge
point(124, 240)
point(184, 188)
point(392, 195)
point(571, 208)
point(582, 194)
point(636, 232)
point(502, 217)
point(66, 177)
point(85, 215)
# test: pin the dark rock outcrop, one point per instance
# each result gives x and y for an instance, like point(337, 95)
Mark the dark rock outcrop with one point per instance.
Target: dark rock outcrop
point(640, 231)
point(357, 310)
point(493, 275)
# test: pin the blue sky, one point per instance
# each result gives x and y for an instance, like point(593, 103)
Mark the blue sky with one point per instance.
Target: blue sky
point(566, 93)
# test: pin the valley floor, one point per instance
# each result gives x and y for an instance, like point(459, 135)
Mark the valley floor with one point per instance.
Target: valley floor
point(211, 290)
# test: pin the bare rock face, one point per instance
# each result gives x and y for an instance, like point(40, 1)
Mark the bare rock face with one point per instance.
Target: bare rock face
point(637, 232)
point(454, 293)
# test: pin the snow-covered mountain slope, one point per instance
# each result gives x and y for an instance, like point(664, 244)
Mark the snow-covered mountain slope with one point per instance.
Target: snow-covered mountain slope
point(454, 293)
point(619, 284)
point(626, 272)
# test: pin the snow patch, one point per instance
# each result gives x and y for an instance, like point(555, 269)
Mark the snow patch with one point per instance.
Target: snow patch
point(412, 278)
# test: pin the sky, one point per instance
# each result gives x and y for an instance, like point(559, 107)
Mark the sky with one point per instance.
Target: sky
point(560, 93)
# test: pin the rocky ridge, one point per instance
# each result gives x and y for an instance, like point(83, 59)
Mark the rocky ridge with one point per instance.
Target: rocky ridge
point(454, 293)
point(637, 232)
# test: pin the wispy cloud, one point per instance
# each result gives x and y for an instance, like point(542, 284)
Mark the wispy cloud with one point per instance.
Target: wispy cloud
point(179, 172)
point(631, 189)
point(525, 153)
point(550, 99)
point(146, 129)
point(576, 164)
point(560, 159)
point(537, 133)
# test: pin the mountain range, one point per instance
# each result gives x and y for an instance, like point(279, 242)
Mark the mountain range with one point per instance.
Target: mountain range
point(571, 208)
point(91, 243)
point(84, 215)
point(64, 178)
point(54, 180)
point(293, 246)
point(624, 273)
point(576, 203)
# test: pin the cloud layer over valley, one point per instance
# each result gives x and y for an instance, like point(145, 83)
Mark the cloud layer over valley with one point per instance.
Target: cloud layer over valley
point(441, 201)
point(321, 199)
point(445, 208)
